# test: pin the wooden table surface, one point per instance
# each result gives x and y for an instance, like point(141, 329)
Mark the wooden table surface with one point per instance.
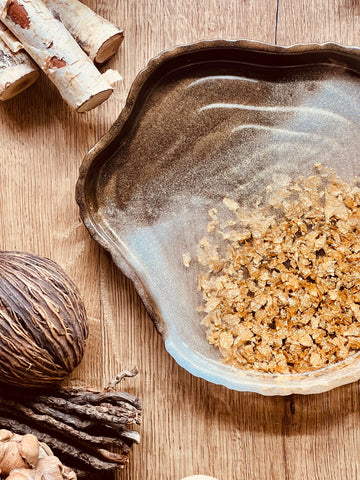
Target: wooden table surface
point(189, 426)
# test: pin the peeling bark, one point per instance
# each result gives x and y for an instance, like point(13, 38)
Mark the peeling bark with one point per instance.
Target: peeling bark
point(10, 41)
point(99, 38)
point(56, 52)
point(17, 13)
point(17, 72)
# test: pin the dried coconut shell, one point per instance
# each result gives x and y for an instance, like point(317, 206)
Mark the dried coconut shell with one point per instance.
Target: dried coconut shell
point(43, 324)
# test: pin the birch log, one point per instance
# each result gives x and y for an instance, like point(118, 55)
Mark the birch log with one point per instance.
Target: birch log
point(8, 38)
point(17, 72)
point(56, 52)
point(98, 37)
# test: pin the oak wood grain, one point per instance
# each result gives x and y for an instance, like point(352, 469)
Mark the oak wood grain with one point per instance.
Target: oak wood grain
point(190, 426)
point(321, 433)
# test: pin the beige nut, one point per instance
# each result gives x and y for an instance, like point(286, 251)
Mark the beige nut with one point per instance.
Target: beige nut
point(51, 468)
point(24, 474)
point(29, 449)
point(10, 457)
point(5, 435)
point(18, 475)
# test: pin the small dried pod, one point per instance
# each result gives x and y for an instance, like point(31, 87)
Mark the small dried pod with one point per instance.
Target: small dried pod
point(17, 450)
point(43, 323)
point(30, 449)
point(24, 474)
point(10, 457)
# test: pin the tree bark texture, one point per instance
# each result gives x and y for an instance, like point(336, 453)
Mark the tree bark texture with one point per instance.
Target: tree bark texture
point(17, 72)
point(56, 52)
point(98, 37)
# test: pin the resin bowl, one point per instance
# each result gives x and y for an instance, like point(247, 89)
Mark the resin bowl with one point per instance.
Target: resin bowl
point(201, 122)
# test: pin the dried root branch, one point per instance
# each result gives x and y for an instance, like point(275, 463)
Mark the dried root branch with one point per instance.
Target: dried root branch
point(81, 427)
point(121, 376)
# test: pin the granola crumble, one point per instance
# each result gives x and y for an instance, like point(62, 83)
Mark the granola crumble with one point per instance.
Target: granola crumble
point(284, 297)
point(186, 259)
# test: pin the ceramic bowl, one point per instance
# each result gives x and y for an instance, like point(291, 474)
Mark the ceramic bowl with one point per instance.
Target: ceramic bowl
point(201, 122)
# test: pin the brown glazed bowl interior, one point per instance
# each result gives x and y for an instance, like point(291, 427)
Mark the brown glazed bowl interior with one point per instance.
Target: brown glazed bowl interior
point(201, 122)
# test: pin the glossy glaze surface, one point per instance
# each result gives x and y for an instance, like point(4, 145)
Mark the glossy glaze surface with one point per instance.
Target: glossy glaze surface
point(202, 122)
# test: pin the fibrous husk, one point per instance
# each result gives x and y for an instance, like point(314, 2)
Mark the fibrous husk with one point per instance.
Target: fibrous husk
point(43, 324)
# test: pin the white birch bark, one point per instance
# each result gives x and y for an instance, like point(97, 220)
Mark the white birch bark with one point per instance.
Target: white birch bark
point(98, 37)
point(9, 39)
point(17, 72)
point(56, 52)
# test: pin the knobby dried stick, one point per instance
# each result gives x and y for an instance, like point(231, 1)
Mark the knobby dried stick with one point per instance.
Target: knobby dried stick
point(127, 373)
point(65, 429)
point(63, 416)
point(117, 398)
point(59, 446)
point(108, 415)
point(80, 425)
point(117, 421)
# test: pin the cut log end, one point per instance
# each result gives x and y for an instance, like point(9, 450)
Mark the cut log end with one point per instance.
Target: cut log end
point(95, 101)
point(109, 48)
point(78, 80)
point(18, 85)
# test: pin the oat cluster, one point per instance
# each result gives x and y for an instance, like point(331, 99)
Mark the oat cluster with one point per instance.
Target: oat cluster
point(281, 282)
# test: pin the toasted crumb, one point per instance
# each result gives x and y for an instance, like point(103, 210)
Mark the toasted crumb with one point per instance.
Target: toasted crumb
point(281, 288)
point(186, 259)
point(231, 204)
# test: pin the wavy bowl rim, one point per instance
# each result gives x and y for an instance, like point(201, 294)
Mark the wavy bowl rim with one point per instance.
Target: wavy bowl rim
point(317, 381)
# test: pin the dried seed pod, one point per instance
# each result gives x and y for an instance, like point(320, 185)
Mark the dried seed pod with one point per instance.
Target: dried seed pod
point(43, 325)
point(17, 450)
